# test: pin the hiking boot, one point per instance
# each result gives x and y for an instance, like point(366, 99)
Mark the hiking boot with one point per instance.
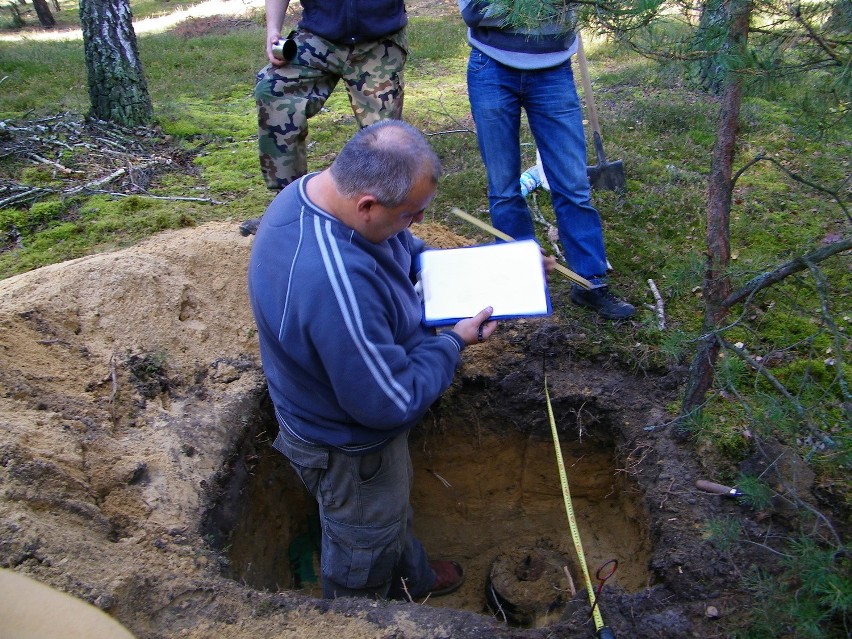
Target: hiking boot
point(249, 227)
point(449, 577)
point(603, 301)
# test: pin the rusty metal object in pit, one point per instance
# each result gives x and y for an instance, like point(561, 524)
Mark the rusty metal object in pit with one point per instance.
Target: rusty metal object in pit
point(527, 586)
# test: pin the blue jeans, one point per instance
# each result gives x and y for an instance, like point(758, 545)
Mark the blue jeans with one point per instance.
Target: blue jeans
point(497, 94)
point(368, 548)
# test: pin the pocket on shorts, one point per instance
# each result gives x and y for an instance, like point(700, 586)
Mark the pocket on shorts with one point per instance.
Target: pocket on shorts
point(360, 556)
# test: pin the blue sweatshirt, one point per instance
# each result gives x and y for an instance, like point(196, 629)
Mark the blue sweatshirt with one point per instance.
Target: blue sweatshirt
point(347, 360)
point(351, 21)
point(542, 48)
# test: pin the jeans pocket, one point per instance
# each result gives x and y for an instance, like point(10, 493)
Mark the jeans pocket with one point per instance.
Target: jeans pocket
point(477, 61)
point(360, 557)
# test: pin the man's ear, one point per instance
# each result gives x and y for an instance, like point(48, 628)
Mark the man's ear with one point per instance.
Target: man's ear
point(366, 207)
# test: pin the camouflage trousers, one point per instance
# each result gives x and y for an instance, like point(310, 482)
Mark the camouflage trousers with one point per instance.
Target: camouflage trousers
point(287, 96)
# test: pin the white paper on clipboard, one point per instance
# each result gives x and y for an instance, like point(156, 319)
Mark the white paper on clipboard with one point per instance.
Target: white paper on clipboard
point(458, 283)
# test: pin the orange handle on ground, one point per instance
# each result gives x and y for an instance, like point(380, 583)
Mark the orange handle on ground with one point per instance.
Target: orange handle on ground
point(718, 489)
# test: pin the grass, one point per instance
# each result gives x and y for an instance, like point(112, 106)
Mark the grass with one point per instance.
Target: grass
point(808, 599)
point(652, 119)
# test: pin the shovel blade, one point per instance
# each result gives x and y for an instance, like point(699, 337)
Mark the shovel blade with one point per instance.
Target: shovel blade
point(607, 176)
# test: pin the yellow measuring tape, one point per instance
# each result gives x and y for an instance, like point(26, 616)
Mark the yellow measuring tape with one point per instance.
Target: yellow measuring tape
point(602, 630)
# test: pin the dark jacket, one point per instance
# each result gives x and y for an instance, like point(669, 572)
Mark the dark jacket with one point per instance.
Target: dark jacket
point(348, 362)
point(351, 21)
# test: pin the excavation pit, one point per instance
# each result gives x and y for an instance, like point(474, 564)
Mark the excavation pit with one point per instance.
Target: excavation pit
point(486, 491)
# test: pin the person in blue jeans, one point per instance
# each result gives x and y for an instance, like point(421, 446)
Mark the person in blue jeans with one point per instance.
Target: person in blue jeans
point(509, 70)
point(349, 364)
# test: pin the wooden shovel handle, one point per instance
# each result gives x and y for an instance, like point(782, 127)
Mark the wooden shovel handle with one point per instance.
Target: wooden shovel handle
point(587, 86)
point(711, 487)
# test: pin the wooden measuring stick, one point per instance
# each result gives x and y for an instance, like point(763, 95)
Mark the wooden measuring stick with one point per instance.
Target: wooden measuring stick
point(571, 275)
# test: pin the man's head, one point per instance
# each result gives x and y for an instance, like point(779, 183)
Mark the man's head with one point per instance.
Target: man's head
point(389, 170)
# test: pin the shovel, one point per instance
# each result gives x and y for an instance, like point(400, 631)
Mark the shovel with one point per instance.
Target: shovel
point(604, 175)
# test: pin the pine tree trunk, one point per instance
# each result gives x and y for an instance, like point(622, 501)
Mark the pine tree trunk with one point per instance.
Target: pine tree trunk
point(717, 285)
point(45, 17)
point(118, 91)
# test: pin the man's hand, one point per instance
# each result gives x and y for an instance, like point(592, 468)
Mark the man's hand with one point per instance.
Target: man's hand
point(477, 328)
point(271, 39)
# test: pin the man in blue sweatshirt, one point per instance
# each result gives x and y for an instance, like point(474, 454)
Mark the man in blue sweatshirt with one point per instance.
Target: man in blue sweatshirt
point(361, 42)
point(513, 69)
point(350, 367)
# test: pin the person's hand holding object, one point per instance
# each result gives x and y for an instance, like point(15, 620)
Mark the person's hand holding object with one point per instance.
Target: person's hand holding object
point(271, 39)
point(477, 328)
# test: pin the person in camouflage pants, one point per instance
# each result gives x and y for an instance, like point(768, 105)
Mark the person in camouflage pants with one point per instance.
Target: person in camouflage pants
point(361, 42)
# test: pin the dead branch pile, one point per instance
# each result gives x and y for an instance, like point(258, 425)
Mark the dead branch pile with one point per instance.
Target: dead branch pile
point(81, 156)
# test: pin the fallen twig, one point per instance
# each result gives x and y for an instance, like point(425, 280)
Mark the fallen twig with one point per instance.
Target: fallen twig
point(449, 131)
point(98, 148)
point(661, 312)
point(552, 231)
point(89, 186)
point(56, 165)
point(174, 198)
point(99, 182)
point(24, 196)
point(765, 547)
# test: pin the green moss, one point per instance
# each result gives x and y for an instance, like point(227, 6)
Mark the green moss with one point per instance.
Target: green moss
point(133, 204)
point(802, 372)
point(231, 169)
point(41, 176)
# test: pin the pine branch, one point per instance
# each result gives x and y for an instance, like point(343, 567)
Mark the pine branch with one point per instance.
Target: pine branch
point(529, 15)
point(797, 16)
point(795, 265)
